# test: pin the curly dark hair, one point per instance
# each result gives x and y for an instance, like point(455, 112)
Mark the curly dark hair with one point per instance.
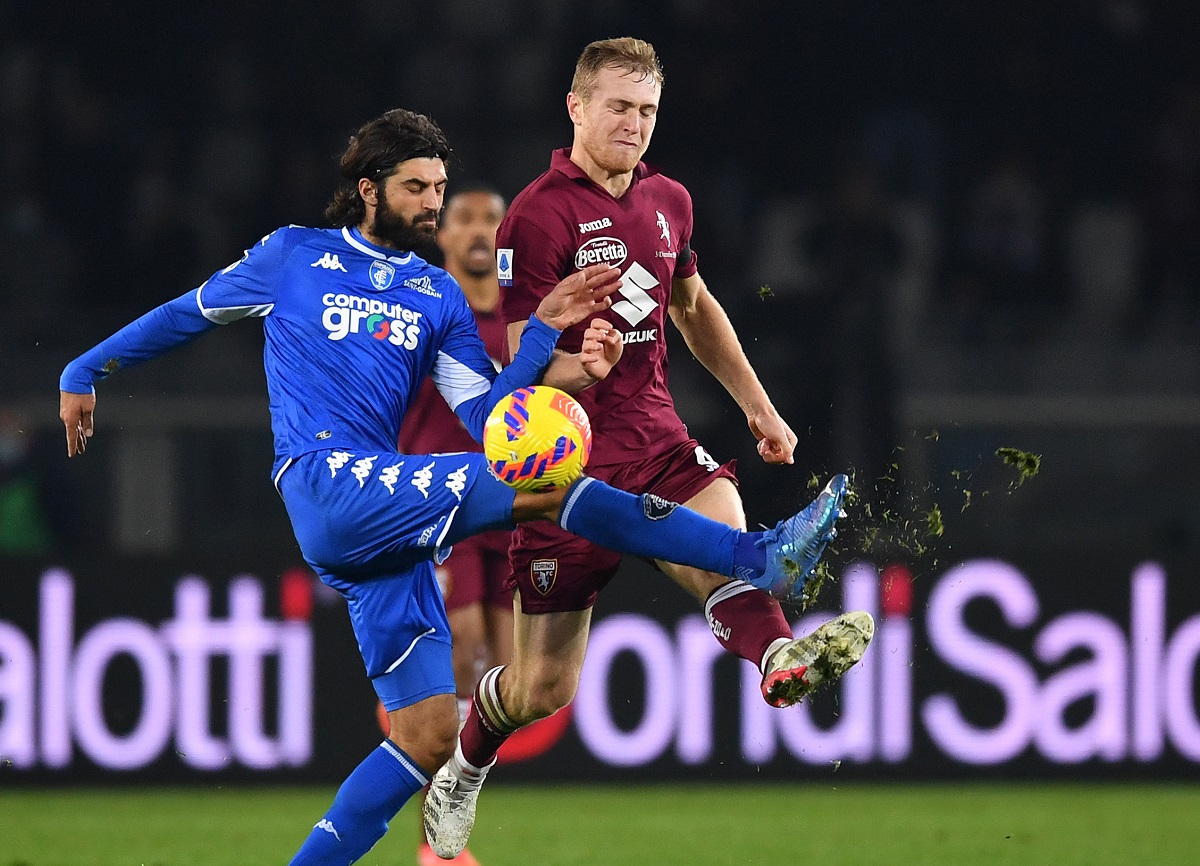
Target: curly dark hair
point(375, 150)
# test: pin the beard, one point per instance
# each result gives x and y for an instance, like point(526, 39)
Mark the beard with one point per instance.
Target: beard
point(399, 232)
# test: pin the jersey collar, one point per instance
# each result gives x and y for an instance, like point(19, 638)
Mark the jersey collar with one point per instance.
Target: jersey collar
point(560, 161)
point(354, 237)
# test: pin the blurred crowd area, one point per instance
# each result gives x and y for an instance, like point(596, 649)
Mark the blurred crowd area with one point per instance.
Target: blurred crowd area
point(893, 200)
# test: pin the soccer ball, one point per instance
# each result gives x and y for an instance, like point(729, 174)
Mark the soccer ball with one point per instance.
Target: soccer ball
point(537, 439)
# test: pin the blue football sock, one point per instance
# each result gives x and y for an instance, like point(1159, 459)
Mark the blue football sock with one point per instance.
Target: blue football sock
point(367, 800)
point(650, 526)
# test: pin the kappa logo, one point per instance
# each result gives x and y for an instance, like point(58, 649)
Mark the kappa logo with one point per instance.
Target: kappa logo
point(422, 478)
point(381, 274)
point(329, 262)
point(389, 476)
point(595, 225)
point(362, 469)
point(327, 825)
point(336, 461)
point(655, 507)
point(544, 572)
point(456, 482)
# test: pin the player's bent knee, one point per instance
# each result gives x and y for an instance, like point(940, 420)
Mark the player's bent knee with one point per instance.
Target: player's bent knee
point(541, 697)
point(431, 748)
point(426, 731)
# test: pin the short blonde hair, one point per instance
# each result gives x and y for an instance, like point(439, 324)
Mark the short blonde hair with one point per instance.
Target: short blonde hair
point(627, 53)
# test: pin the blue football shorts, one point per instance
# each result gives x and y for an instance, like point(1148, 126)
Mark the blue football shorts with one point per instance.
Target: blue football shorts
point(372, 526)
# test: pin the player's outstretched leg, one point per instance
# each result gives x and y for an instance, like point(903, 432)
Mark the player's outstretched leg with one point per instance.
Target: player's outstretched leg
point(801, 665)
point(779, 561)
point(795, 545)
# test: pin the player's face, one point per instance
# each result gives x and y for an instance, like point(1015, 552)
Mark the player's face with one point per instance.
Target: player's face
point(409, 201)
point(468, 232)
point(614, 125)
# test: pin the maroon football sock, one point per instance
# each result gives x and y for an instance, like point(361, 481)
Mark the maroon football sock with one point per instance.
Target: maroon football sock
point(487, 725)
point(745, 620)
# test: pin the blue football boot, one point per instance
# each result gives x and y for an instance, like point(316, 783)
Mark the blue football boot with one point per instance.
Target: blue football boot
point(795, 545)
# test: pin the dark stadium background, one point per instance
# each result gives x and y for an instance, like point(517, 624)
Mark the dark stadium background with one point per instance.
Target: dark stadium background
point(940, 229)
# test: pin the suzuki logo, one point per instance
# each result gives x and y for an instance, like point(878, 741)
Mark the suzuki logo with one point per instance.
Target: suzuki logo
point(636, 303)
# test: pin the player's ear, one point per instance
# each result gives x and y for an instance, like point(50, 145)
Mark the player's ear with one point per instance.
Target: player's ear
point(574, 107)
point(369, 191)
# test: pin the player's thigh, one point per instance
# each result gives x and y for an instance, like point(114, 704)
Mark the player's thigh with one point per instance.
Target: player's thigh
point(721, 502)
point(548, 653)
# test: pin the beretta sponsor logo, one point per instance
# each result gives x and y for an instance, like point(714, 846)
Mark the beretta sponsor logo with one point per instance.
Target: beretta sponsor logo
point(608, 250)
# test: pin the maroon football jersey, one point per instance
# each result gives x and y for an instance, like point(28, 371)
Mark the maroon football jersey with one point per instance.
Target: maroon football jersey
point(430, 427)
point(563, 222)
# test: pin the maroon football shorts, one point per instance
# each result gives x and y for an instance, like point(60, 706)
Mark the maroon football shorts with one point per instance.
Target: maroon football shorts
point(555, 570)
point(477, 571)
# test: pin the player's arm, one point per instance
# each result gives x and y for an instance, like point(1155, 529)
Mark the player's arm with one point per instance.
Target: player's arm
point(572, 372)
point(158, 331)
point(464, 374)
point(709, 335)
point(245, 288)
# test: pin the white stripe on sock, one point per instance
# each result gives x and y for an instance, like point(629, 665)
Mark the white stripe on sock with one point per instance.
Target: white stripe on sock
point(467, 772)
point(726, 592)
point(772, 648)
point(571, 499)
point(405, 762)
point(491, 708)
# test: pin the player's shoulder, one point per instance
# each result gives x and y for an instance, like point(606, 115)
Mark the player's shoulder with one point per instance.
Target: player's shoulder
point(659, 184)
point(546, 192)
point(283, 241)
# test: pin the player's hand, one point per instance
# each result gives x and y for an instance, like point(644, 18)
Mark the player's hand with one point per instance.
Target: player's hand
point(601, 349)
point(584, 293)
point(776, 441)
point(76, 411)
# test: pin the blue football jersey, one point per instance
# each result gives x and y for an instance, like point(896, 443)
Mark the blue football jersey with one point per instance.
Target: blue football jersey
point(351, 328)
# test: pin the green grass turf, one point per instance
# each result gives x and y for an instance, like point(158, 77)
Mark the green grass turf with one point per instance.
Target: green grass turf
point(822, 825)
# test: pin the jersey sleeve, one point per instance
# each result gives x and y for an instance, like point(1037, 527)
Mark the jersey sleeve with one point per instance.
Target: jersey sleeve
point(245, 288)
point(158, 331)
point(466, 378)
point(685, 263)
point(248, 287)
point(536, 263)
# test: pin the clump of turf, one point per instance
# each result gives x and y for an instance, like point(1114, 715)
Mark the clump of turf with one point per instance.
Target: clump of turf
point(1026, 464)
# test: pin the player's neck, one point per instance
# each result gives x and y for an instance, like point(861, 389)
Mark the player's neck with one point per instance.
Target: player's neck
point(377, 241)
point(482, 293)
point(615, 183)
